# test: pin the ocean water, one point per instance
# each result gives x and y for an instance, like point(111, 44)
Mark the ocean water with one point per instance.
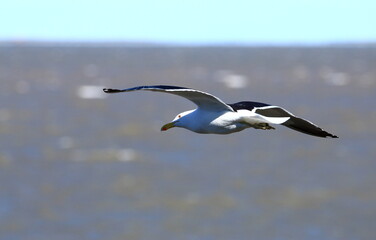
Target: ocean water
point(78, 164)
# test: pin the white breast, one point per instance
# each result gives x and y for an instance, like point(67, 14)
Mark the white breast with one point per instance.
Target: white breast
point(216, 122)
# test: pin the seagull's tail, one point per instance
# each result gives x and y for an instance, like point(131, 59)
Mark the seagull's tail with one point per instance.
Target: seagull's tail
point(306, 127)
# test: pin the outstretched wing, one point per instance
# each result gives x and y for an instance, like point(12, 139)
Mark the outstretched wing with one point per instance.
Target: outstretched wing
point(278, 115)
point(203, 100)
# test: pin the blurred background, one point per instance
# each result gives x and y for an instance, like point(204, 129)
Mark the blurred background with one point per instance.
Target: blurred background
point(78, 164)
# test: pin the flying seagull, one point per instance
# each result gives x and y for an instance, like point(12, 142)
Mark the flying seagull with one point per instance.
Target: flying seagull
point(212, 115)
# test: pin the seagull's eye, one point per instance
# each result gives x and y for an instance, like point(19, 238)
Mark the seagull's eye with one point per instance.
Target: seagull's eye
point(179, 116)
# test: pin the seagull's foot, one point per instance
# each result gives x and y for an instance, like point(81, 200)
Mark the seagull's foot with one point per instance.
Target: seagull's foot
point(263, 126)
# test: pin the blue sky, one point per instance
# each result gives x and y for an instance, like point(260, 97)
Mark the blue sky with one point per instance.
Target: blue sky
point(190, 21)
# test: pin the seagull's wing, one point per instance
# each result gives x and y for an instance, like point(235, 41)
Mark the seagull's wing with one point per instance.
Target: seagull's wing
point(203, 100)
point(278, 115)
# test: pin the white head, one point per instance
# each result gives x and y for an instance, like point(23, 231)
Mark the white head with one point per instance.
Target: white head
point(181, 120)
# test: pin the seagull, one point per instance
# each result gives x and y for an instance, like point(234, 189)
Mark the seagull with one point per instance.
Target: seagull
point(213, 116)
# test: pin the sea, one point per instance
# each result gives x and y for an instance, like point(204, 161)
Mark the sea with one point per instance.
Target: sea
point(79, 164)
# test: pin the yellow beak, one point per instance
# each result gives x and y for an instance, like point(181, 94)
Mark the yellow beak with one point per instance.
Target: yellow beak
point(168, 126)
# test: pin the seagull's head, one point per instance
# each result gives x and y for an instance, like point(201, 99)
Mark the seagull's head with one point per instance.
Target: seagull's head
point(181, 120)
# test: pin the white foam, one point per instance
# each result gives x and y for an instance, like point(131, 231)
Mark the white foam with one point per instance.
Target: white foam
point(232, 80)
point(126, 155)
point(91, 92)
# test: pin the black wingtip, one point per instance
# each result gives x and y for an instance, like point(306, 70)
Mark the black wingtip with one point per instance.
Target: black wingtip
point(329, 135)
point(110, 90)
point(333, 136)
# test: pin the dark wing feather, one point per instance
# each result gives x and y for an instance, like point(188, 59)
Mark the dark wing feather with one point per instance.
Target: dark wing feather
point(247, 105)
point(306, 127)
point(273, 111)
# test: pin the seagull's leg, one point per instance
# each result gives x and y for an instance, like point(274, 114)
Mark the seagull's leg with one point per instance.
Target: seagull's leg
point(263, 126)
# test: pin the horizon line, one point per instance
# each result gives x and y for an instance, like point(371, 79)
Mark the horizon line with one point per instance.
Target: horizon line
point(150, 43)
